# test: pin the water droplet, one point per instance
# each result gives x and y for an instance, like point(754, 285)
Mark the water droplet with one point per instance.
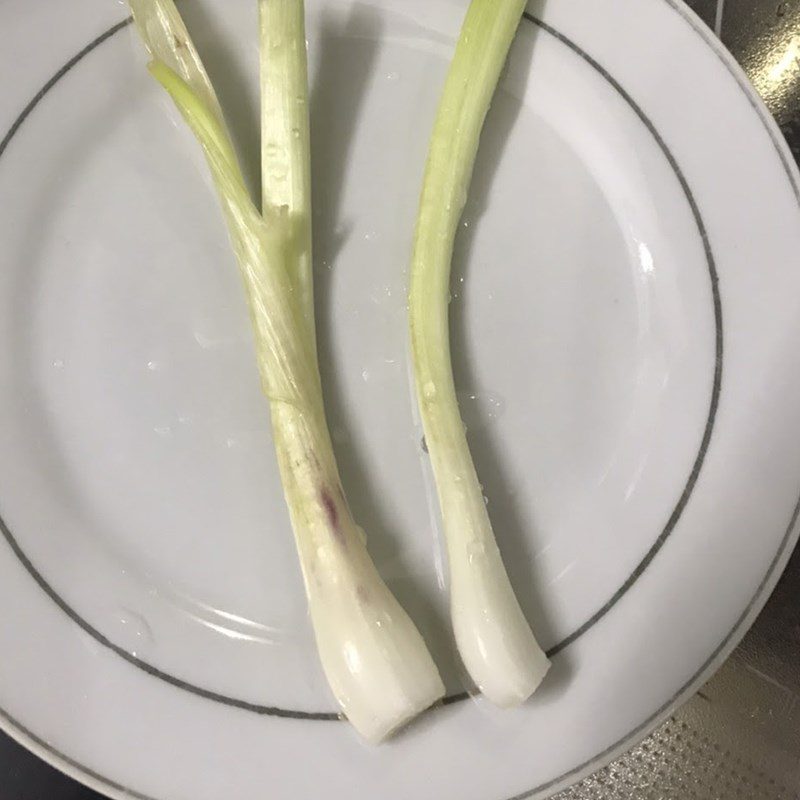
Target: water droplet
point(496, 405)
point(429, 390)
point(135, 632)
point(214, 339)
point(163, 430)
point(365, 375)
point(153, 366)
point(485, 500)
point(392, 76)
point(479, 408)
point(278, 172)
point(204, 341)
point(370, 236)
point(278, 159)
point(466, 223)
point(231, 442)
point(58, 364)
point(475, 549)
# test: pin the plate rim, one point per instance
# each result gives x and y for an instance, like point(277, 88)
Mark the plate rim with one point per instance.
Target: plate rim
point(95, 780)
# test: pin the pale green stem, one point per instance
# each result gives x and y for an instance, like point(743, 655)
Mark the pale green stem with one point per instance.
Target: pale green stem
point(285, 133)
point(493, 637)
point(374, 658)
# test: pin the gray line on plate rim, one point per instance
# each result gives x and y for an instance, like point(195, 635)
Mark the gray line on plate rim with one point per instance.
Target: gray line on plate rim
point(641, 729)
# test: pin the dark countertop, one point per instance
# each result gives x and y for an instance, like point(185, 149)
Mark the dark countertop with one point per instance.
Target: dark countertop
point(740, 737)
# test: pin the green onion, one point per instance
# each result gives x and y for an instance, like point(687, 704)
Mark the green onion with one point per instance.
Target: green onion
point(374, 658)
point(493, 637)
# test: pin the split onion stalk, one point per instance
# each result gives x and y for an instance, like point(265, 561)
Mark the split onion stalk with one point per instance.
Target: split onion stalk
point(493, 637)
point(374, 658)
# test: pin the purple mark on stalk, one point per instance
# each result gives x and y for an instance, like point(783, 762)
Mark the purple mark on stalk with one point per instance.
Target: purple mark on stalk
point(332, 513)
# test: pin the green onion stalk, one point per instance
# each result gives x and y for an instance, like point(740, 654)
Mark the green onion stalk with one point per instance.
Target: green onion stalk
point(493, 637)
point(374, 658)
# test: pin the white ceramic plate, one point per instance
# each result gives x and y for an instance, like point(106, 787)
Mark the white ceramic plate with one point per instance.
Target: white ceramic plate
point(626, 312)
